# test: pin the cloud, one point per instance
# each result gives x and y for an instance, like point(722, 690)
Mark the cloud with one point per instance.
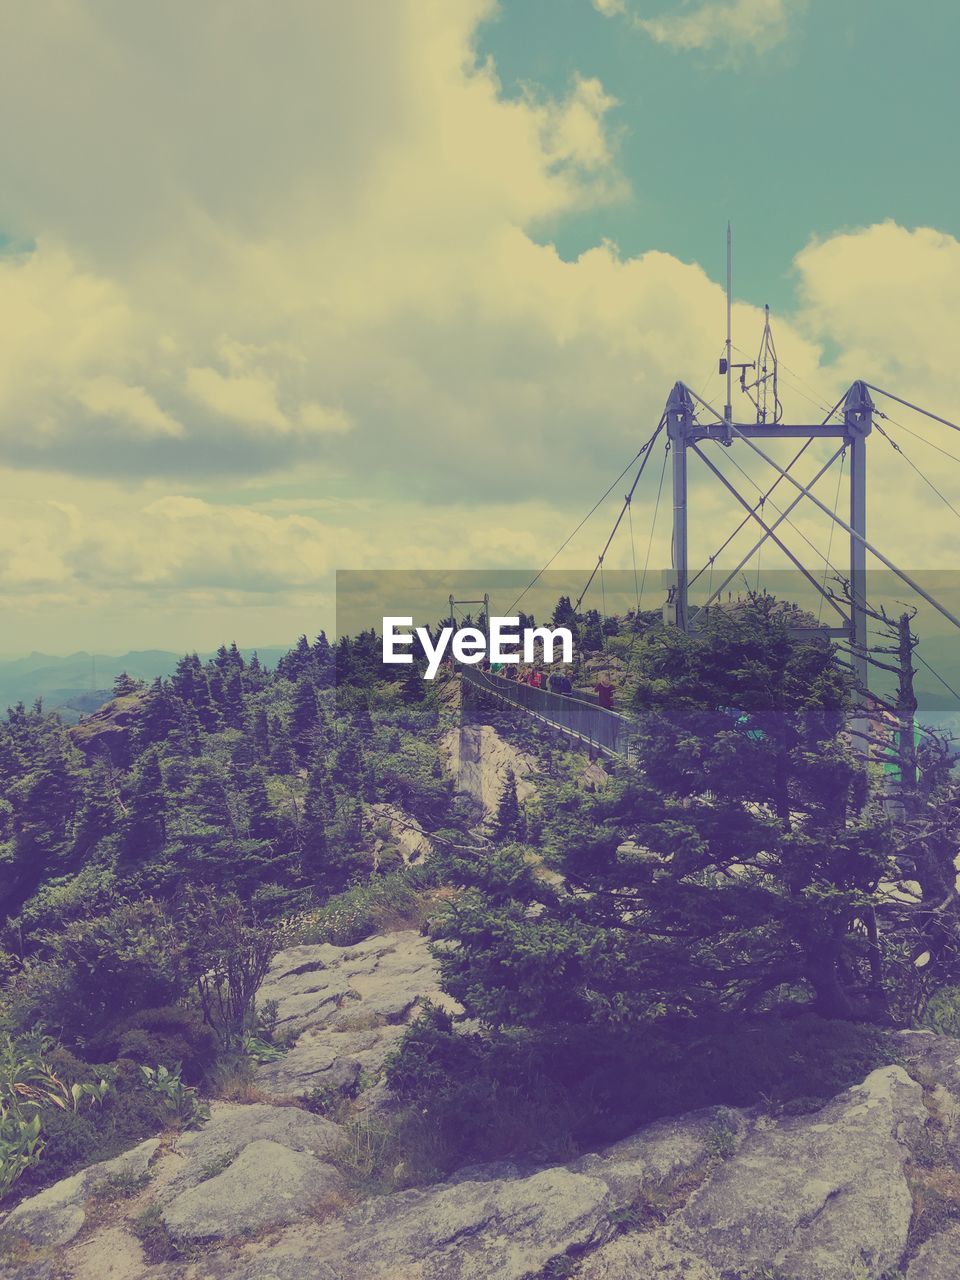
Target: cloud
point(107, 397)
point(288, 304)
point(733, 26)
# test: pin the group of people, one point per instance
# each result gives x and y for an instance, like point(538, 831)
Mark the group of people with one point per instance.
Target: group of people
point(556, 682)
point(536, 677)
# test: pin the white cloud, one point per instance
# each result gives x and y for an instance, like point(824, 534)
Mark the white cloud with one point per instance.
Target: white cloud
point(283, 263)
point(735, 26)
point(105, 396)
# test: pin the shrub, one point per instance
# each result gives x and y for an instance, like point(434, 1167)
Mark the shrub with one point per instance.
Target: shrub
point(231, 955)
point(374, 905)
point(509, 1094)
point(942, 1013)
point(98, 970)
point(32, 1098)
point(181, 1102)
point(170, 1035)
point(74, 1139)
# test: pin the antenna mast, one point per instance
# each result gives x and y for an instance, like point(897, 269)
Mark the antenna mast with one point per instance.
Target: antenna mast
point(728, 407)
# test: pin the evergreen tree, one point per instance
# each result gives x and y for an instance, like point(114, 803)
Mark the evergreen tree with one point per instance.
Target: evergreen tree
point(145, 826)
point(740, 859)
point(507, 821)
point(304, 719)
point(124, 685)
point(160, 716)
point(261, 734)
point(281, 752)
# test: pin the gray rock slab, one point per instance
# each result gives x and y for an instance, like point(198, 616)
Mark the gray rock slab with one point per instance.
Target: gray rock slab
point(938, 1258)
point(663, 1151)
point(327, 1059)
point(57, 1214)
point(266, 1185)
point(378, 980)
point(110, 1254)
point(821, 1195)
point(471, 1230)
point(232, 1127)
point(646, 1256)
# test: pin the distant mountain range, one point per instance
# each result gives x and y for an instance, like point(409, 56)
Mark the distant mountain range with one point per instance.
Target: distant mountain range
point(83, 681)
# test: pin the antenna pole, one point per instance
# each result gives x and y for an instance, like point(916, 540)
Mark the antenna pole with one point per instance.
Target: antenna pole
point(728, 408)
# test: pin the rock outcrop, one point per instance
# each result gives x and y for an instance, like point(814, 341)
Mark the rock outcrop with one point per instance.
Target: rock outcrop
point(481, 761)
point(58, 1214)
point(348, 1006)
point(261, 1191)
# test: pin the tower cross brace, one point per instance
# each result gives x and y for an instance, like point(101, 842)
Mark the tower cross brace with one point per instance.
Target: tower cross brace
point(684, 432)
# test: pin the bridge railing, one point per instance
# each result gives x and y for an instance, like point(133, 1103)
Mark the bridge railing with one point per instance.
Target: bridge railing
point(606, 731)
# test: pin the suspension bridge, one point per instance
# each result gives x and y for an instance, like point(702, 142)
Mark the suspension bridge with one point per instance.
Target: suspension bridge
point(690, 427)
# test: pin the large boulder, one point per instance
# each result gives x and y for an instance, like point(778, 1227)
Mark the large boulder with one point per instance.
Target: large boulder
point(379, 980)
point(58, 1213)
point(329, 1061)
point(198, 1155)
point(822, 1196)
point(266, 1185)
point(938, 1258)
point(498, 1220)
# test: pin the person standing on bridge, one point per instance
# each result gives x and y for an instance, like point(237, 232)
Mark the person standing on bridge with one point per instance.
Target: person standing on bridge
point(604, 692)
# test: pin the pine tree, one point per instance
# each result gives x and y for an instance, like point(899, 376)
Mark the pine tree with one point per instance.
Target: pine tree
point(324, 662)
point(281, 752)
point(304, 719)
point(262, 823)
point(738, 862)
point(507, 820)
point(145, 826)
point(160, 716)
point(312, 827)
point(124, 685)
point(261, 734)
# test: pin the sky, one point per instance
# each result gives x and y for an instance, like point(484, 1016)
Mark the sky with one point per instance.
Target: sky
point(300, 286)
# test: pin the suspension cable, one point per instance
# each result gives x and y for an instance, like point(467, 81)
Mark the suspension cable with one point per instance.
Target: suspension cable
point(746, 519)
point(916, 408)
point(901, 573)
point(913, 466)
point(532, 583)
point(647, 450)
point(633, 556)
point(653, 522)
point(936, 674)
point(923, 440)
point(836, 503)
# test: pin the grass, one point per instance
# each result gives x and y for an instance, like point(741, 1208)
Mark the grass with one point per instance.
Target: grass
point(380, 904)
point(150, 1229)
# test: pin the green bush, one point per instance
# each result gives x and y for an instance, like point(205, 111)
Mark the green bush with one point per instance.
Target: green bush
point(98, 970)
point(180, 1101)
point(34, 1100)
point(942, 1013)
point(73, 1139)
point(377, 904)
point(170, 1035)
point(487, 1097)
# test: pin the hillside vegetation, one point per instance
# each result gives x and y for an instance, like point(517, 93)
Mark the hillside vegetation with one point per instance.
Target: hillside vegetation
point(736, 914)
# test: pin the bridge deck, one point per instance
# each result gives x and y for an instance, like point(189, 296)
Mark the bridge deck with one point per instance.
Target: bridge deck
point(605, 731)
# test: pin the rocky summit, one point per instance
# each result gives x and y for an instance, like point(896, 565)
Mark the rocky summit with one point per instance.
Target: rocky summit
point(858, 1189)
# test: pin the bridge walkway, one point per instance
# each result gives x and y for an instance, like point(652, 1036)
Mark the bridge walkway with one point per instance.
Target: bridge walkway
point(603, 731)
